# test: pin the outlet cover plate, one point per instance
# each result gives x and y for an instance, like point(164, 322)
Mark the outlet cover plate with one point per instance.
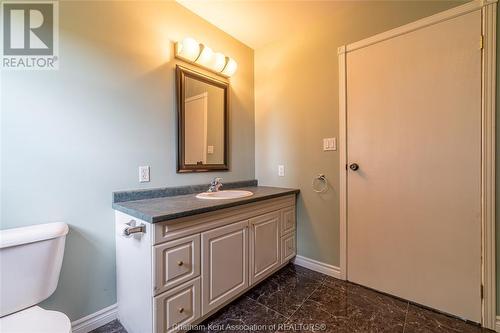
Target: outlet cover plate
point(144, 174)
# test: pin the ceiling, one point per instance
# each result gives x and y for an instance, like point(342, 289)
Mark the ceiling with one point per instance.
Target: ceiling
point(257, 23)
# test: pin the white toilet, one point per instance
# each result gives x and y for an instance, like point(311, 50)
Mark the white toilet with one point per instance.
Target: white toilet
point(30, 263)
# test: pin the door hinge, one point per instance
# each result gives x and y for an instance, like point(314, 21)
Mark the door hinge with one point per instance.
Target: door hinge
point(481, 42)
point(482, 291)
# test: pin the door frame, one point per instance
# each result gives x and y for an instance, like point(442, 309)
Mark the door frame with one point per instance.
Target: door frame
point(488, 113)
point(203, 96)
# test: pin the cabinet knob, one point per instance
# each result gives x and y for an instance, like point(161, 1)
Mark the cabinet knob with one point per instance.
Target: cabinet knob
point(181, 310)
point(180, 263)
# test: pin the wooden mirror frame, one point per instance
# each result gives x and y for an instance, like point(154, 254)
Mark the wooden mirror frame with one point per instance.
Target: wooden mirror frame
point(181, 74)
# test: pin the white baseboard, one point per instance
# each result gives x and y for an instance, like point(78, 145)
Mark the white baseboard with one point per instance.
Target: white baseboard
point(95, 320)
point(318, 266)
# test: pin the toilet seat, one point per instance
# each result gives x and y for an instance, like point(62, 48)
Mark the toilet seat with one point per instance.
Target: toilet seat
point(35, 319)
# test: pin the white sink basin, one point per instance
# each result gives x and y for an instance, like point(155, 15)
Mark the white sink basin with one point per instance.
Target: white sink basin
point(223, 195)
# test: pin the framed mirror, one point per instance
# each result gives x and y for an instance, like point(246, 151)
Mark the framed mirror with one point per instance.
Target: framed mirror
point(202, 104)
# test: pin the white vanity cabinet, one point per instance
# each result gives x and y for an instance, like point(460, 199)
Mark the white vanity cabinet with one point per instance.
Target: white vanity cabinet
point(179, 272)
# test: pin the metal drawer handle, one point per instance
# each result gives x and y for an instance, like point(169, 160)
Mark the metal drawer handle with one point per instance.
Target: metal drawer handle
point(133, 228)
point(181, 310)
point(180, 263)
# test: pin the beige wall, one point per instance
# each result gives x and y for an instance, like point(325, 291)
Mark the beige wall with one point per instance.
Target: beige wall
point(71, 137)
point(296, 105)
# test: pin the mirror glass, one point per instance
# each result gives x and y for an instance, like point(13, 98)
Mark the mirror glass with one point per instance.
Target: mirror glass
point(203, 122)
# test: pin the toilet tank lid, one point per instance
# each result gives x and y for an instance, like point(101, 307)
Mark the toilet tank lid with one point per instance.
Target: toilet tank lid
point(31, 234)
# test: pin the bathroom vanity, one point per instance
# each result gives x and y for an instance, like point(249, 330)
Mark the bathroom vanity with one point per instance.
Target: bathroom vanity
point(188, 257)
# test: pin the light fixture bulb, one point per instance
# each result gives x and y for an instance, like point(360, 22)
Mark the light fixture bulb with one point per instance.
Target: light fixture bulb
point(218, 62)
point(191, 51)
point(188, 49)
point(205, 57)
point(230, 68)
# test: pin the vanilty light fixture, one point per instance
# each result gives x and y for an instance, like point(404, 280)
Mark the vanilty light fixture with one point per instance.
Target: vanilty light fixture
point(199, 54)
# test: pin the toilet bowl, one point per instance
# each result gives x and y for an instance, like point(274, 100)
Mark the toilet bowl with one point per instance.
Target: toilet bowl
point(30, 263)
point(35, 320)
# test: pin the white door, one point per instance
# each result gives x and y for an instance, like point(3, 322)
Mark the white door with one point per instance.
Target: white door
point(195, 113)
point(414, 129)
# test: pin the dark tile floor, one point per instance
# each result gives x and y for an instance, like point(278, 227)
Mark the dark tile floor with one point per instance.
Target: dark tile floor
point(298, 299)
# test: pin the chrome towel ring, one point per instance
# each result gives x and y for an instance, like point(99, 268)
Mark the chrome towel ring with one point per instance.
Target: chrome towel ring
point(317, 181)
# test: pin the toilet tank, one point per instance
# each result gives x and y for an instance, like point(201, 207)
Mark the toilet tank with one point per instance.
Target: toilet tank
point(30, 263)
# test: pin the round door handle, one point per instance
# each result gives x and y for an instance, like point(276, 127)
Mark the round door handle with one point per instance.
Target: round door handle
point(181, 310)
point(180, 263)
point(354, 166)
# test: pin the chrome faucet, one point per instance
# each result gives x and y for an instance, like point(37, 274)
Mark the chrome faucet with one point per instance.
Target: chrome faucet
point(215, 185)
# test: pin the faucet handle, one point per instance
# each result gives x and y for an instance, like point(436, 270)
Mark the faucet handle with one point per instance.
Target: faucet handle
point(216, 181)
point(215, 184)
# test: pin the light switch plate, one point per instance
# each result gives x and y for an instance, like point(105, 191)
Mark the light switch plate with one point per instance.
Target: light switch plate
point(144, 174)
point(210, 149)
point(281, 170)
point(329, 144)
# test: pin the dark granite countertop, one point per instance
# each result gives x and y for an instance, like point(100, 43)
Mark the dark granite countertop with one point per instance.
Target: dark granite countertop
point(160, 209)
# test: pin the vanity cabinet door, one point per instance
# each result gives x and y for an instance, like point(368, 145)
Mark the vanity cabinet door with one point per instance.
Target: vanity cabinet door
point(264, 245)
point(176, 262)
point(224, 264)
point(287, 220)
point(176, 307)
point(288, 248)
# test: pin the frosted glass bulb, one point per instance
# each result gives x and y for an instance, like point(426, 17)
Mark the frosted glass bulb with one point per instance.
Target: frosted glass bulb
point(218, 62)
point(230, 68)
point(205, 57)
point(189, 49)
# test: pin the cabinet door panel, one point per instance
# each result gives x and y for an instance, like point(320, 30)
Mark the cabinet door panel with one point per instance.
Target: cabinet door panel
point(176, 262)
point(224, 265)
point(176, 307)
point(288, 248)
point(287, 220)
point(264, 245)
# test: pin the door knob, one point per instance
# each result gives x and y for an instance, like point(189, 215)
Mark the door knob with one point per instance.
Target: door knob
point(354, 166)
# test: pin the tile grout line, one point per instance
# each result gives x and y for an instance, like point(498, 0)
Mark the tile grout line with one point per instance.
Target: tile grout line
point(406, 315)
point(305, 299)
point(256, 301)
point(321, 282)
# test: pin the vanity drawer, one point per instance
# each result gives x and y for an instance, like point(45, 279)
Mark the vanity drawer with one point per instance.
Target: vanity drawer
point(176, 262)
point(287, 220)
point(178, 306)
point(288, 247)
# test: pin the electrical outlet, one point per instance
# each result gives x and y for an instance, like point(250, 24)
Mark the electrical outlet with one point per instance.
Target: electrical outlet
point(329, 144)
point(281, 170)
point(210, 149)
point(144, 174)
